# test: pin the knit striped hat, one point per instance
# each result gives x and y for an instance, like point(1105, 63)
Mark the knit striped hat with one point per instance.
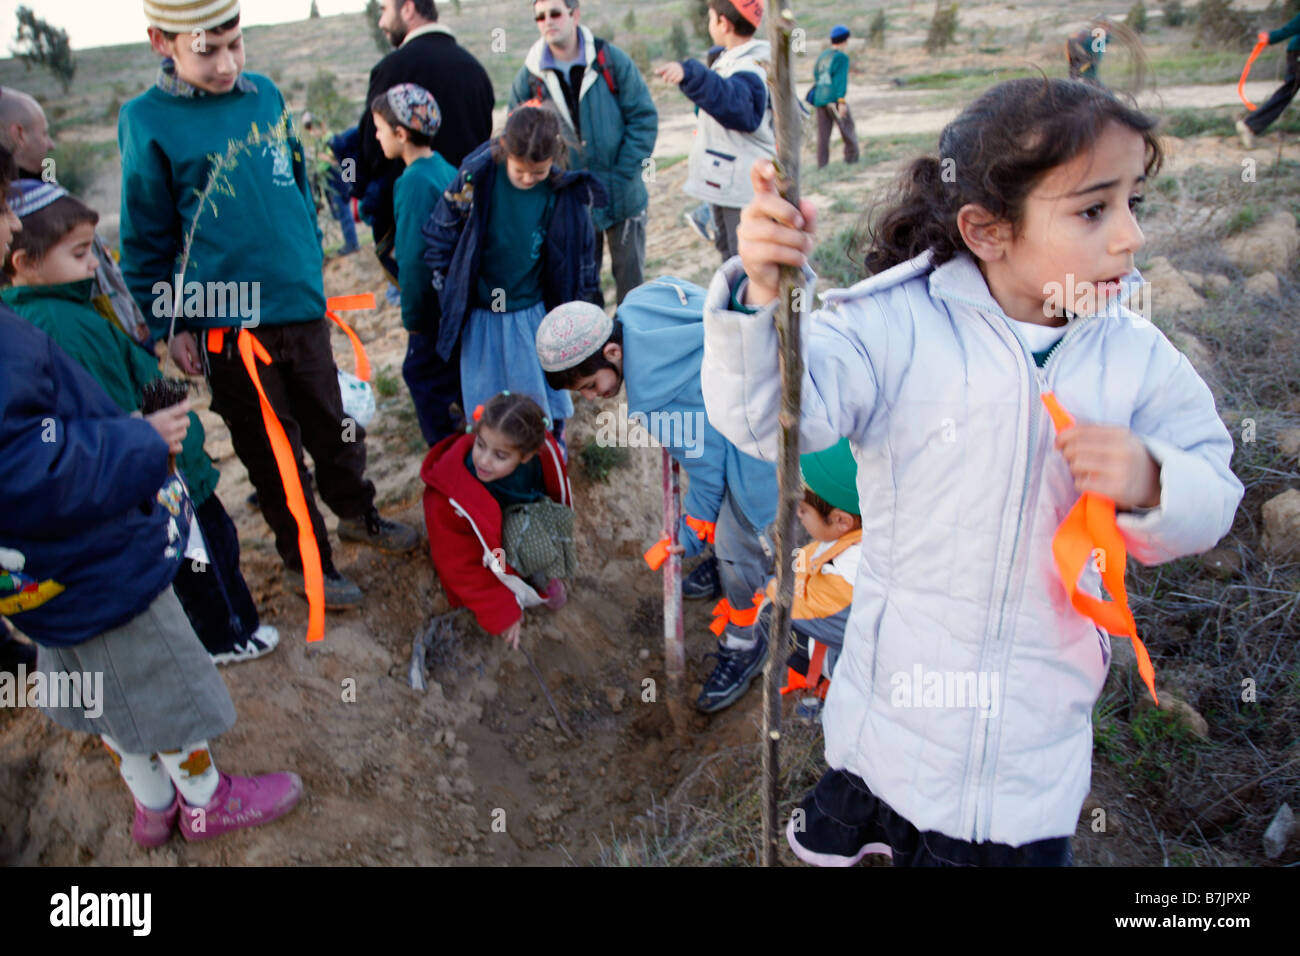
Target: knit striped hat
point(31, 195)
point(184, 16)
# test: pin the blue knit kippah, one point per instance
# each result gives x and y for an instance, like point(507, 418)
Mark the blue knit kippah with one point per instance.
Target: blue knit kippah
point(30, 195)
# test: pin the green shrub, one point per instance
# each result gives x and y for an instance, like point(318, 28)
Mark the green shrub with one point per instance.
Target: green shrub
point(943, 28)
point(76, 163)
point(1137, 18)
point(599, 460)
point(681, 46)
point(1175, 15)
point(876, 31)
point(1220, 24)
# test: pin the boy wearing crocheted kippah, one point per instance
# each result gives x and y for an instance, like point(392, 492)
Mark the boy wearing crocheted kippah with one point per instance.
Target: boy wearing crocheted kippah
point(407, 119)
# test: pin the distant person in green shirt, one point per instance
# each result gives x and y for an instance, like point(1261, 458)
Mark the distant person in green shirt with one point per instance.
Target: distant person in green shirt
point(326, 178)
point(1260, 119)
point(52, 267)
point(1083, 53)
point(828, 97)
point(406, 121)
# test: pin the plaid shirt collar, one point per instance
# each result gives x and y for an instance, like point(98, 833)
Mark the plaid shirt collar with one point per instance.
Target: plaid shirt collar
point(169, 82)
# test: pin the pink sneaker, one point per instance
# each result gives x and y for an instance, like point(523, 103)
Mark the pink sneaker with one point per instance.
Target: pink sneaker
point(242, 802)
point(556, 596)
point(153, 828)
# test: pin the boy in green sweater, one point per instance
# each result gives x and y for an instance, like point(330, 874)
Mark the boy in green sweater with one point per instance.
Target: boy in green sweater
point(254, 269)
point(406, 121)
point(52, 266)
point(831, 79)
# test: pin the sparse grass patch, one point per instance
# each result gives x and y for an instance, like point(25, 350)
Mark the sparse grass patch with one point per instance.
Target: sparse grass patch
point(599, 460)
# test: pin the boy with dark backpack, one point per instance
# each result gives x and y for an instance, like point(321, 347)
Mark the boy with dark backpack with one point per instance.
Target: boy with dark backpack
point(655, 345)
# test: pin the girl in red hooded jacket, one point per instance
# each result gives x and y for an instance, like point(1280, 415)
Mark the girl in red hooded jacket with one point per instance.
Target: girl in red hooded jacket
point(499, 513)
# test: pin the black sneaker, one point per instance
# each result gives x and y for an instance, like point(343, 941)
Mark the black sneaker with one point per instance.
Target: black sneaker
point(702, 584)
point(340, 593)
point(391, 537)
point(731, 677)
point(262, 641)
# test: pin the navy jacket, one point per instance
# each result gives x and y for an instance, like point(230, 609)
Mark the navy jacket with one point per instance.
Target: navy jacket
point(737, 102)
point(84, 542)
point(455, 234)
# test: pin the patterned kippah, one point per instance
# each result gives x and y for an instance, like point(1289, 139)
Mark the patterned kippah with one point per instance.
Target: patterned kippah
point(182, 16)
point(570, 333)
point(30, 195)
point(415, 108)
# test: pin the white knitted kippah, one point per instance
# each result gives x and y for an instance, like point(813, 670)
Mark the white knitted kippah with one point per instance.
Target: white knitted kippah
point(182, 16)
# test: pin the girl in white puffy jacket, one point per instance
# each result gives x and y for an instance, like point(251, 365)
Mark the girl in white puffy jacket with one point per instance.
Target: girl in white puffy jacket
point(958, 726)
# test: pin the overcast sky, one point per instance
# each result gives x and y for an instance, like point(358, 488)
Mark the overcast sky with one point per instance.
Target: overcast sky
point(107, 22)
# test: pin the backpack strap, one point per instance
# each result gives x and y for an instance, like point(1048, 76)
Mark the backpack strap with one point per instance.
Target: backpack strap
point(602, 64)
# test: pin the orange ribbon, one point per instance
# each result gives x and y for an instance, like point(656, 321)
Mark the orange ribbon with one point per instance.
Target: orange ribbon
point(1090, 527)
point(252, 351)
point(704, 530)
point(813, 681)
point(350, 303)
point(1245, 71)
point(724, 613)
point(657, 554)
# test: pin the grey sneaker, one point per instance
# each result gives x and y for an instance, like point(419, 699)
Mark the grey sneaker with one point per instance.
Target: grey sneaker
point(340, 593)
point(391, 537)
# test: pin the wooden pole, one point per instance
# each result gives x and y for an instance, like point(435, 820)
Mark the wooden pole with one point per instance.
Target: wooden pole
point(674, 632)
point(788, 120)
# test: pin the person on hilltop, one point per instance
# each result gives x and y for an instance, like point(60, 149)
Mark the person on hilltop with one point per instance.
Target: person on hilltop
point(610, 127)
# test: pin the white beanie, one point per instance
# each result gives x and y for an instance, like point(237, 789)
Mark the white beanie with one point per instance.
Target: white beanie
point(184, 16)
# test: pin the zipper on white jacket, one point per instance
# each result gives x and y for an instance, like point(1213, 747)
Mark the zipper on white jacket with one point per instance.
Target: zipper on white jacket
point(1038, 377)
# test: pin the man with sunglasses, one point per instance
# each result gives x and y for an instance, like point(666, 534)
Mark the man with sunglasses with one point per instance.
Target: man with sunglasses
point(610, 124)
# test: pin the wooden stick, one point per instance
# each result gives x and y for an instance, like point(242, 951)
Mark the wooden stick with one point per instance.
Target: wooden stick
point(674, 632)
point(788, 120)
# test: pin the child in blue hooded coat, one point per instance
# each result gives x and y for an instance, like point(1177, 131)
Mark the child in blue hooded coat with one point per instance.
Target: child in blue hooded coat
point(655, 345)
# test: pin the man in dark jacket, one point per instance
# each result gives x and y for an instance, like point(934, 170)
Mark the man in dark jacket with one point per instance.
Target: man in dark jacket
point(610, 122)
point(427, 55)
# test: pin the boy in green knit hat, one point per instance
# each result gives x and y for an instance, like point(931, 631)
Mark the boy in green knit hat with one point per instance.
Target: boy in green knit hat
point(256, 240)
point(825, 570)
point(52, 266)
